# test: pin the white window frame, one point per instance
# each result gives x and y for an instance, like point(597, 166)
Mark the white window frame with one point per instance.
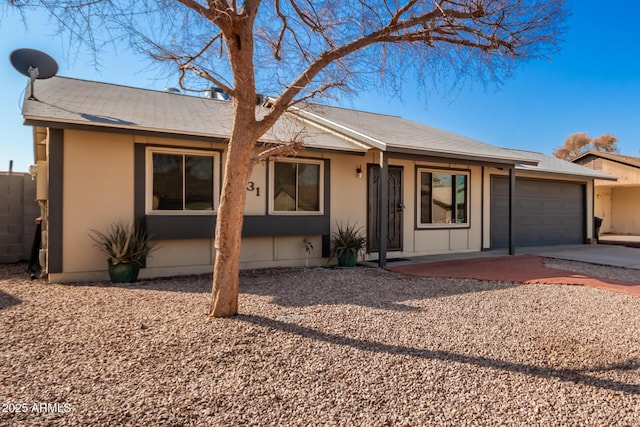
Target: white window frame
point(451, 172)
point(319, 162)
point(215, 155)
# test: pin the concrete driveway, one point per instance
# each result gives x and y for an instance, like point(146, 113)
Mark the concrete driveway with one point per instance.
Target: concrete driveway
point(613, 255)
point(529, 267)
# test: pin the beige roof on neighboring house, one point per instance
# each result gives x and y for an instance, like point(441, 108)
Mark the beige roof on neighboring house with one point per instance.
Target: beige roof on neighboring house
point(620, 158)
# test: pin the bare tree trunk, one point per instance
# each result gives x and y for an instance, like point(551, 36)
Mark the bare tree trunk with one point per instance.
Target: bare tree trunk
point(238, 36)
point(228, 238)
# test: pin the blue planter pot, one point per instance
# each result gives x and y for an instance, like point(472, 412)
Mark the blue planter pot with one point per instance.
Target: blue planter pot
point(347, 259)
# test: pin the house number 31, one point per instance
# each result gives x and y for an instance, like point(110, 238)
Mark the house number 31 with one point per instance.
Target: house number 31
point(251, 186)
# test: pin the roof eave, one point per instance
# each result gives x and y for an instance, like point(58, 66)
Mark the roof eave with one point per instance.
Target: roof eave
point(47, 121)
point(105, 127)
point(548, 172)
point(351, 134)
point(461, 156)
point(342, 130)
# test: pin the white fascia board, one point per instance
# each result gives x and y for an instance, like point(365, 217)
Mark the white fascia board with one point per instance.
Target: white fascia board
point(598, 175)
point(361, 147)
point(498, 159)
point(340, 129)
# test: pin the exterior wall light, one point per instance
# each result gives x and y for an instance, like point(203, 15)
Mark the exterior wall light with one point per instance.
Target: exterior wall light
point(33, 171)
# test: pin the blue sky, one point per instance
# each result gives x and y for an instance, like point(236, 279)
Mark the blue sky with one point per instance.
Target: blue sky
point(592, 85)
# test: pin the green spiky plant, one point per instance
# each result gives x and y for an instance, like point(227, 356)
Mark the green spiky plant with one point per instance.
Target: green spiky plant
point(123, 243)
point(347, 243)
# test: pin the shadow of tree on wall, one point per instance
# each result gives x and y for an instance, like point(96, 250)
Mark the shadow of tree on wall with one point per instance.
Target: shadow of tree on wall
point(578, 376)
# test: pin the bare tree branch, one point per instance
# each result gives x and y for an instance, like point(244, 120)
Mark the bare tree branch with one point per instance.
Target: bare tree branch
point(286, 149)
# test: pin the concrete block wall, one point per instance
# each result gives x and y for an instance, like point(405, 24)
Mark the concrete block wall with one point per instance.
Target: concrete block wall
point(18, 213)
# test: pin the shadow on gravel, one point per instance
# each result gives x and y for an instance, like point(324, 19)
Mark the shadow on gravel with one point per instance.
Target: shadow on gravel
point(360, 286)
point(8, 300)
point(200, 283)
point(300, 287)
point(567, 375)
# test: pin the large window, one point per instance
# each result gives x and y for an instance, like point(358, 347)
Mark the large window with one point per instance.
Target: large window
point(443, 198)
point(181, 181)
point(296, 186)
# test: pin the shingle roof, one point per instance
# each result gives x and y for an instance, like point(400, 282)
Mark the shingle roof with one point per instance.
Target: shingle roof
point(81, 102)
point(66, 100)
point(550, 164)
point(395, 134)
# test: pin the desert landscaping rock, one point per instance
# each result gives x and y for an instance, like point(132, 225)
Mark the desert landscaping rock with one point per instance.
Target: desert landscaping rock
point(339, 346)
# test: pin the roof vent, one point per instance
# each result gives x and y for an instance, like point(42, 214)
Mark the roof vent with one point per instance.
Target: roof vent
point(217, 93)
point(172, 90)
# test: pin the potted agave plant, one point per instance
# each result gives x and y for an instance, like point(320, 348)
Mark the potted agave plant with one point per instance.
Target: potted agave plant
point(126, 247)
point(346, 244)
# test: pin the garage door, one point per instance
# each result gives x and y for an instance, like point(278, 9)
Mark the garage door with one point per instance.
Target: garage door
point(546, 212)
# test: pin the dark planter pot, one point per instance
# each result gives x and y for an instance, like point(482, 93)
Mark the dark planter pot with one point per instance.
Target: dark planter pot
point(347, 259)
point(124, 272)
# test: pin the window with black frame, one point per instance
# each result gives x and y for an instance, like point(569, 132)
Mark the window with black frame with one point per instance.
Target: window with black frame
point(443, 198)
point(296, 186)
point(182, 182)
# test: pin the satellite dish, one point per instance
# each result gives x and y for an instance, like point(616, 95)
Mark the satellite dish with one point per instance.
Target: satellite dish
point(33, 64)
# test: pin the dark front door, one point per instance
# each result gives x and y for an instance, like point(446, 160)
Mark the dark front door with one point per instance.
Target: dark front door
point(394, 209)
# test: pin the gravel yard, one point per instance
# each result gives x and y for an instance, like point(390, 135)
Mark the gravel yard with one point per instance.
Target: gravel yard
point(358, 346)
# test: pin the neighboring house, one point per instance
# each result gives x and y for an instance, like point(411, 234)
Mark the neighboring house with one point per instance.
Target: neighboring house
point(106, 153)
point(617, 203)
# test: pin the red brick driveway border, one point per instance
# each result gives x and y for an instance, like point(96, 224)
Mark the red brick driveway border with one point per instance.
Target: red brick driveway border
point(527, 269)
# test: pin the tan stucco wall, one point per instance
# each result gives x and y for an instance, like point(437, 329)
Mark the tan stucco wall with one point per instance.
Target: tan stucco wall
point(442, 240)
point(434, 240)
point(627, 175)
point(256, 198)
point(625, 205)
point(348, 192)
point(616, 202)
point(98, 190)
point(602, 208)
